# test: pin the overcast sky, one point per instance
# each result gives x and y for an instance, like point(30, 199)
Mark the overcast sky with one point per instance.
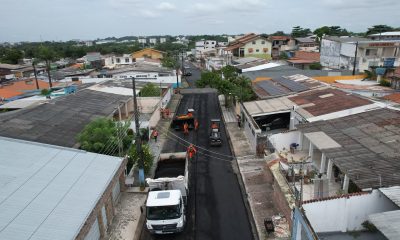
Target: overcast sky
point(33, 20)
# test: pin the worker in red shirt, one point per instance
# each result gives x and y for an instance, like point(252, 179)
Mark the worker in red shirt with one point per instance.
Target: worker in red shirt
point(185, 128)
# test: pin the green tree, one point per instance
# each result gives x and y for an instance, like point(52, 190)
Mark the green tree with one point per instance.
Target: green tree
point(278, 33)
point(48, 55)
point(12, 56)
point(170, 62)
point(105, 136)
point(229, 72)
point(379, 29)
point(150, 90)
point(298, 31)
point(133, 158)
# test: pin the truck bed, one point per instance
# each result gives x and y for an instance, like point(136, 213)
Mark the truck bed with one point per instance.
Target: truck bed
point(170, 168)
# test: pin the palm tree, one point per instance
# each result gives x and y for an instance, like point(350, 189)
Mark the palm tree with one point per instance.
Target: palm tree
point(48, 55)
point(34, 62)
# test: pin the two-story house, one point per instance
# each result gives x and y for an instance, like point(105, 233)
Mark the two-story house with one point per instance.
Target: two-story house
point(250, 45)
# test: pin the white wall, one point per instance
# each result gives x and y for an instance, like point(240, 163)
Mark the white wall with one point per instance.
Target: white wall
point(258, 45)
point(330, 53)
point(282, 141)
point(346, 214)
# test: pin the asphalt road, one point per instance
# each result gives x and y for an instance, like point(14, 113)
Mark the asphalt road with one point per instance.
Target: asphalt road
point(216, 209)
point(196, 73)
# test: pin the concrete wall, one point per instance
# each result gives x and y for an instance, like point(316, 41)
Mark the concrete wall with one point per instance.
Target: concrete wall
point(346, 213)
point(282, 141)
point(330, 53)
point(156, 116)
point(106, 201)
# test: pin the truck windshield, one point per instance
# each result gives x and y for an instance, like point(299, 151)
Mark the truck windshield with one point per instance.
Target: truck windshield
point(163, 212)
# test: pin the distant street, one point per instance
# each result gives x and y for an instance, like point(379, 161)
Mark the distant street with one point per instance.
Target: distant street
point(216, 207)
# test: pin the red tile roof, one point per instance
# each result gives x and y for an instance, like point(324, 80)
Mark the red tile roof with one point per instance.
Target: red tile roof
point(242, 41)
point(279, 38)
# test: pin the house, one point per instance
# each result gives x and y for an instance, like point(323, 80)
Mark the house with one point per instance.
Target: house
point(59, 121)
point(53, 192)
point(12, 71)
point(250, 45)
point(281, 44)
point(145, 72)
point(303, 59)
point(113, 60)
point(341, 53)
point(305, 101)
point(148, 53)
point(163, 40)
point(307, 44)
point(16, 89)
point(385, 36)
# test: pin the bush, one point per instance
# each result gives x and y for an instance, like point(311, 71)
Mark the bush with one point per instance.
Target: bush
point(103, 136)
point(150, 90)
point(315, 66)
point(385, 83)
point(45, 92)
point(133, 158)
point(369, 226)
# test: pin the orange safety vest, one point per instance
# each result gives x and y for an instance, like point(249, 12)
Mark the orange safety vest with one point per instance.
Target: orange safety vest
point(191, 150)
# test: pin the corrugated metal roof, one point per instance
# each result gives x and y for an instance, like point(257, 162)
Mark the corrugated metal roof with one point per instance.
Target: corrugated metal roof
point(47, 192)
point(388, 223)
point(393, 193)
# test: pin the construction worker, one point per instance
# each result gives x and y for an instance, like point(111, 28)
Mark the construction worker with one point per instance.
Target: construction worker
point(185, 128)
point(214, 125)
point(155, 135)
point(196, 125)
point(191, 151)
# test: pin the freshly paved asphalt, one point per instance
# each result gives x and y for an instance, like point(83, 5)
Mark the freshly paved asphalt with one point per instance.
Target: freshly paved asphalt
point(216, 209)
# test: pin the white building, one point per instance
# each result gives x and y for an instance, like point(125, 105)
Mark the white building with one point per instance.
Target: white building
point(163, 40)
point(385, 36)
point(153, 41)
point(142, 40)
point(340, 52)
point(112, 60)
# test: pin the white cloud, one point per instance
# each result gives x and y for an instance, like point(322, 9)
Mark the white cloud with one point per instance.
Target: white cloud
point(166, 6)
point(149, 14)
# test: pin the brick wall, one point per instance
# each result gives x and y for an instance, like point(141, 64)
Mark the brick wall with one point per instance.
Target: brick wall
point(107, 201)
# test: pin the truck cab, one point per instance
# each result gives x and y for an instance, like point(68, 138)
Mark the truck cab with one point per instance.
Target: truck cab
point(165, 212)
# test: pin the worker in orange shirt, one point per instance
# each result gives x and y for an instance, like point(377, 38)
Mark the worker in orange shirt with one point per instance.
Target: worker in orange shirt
point(214, 125)
point(196, 125)
point(185, 128)
point(191, 151)
point(155, 135)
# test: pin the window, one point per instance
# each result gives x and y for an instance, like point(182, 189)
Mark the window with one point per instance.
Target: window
point(254, 42)
point(257, 50)
point(265, 50)
point(126, 60)
point(262, 42)
point(367, 52)
point(250, 50)
point(117, 60)
point(112, 60)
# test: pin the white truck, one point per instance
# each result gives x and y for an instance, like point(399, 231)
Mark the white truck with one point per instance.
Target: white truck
point(166, 202)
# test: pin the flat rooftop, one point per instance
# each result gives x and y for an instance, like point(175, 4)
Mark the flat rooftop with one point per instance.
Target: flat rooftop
point(369, 146)
point(48, 192)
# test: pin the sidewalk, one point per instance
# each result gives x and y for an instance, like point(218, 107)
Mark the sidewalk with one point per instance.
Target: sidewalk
point(257, 180)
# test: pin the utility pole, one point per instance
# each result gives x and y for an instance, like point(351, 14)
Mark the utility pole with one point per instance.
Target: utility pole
point(355, 60)
point(138, 141)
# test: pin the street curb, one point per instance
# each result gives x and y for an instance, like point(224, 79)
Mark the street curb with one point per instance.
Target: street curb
point(139, 227)
point(239, 177)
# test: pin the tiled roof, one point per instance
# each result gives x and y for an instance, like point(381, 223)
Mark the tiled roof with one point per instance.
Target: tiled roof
point(314, 56)
point(279, 38)
point(242, 41)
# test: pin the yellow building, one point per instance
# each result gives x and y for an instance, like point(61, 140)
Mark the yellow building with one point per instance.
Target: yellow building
point(148, 53)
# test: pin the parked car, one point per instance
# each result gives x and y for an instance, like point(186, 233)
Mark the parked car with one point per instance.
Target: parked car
point(187, 74)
